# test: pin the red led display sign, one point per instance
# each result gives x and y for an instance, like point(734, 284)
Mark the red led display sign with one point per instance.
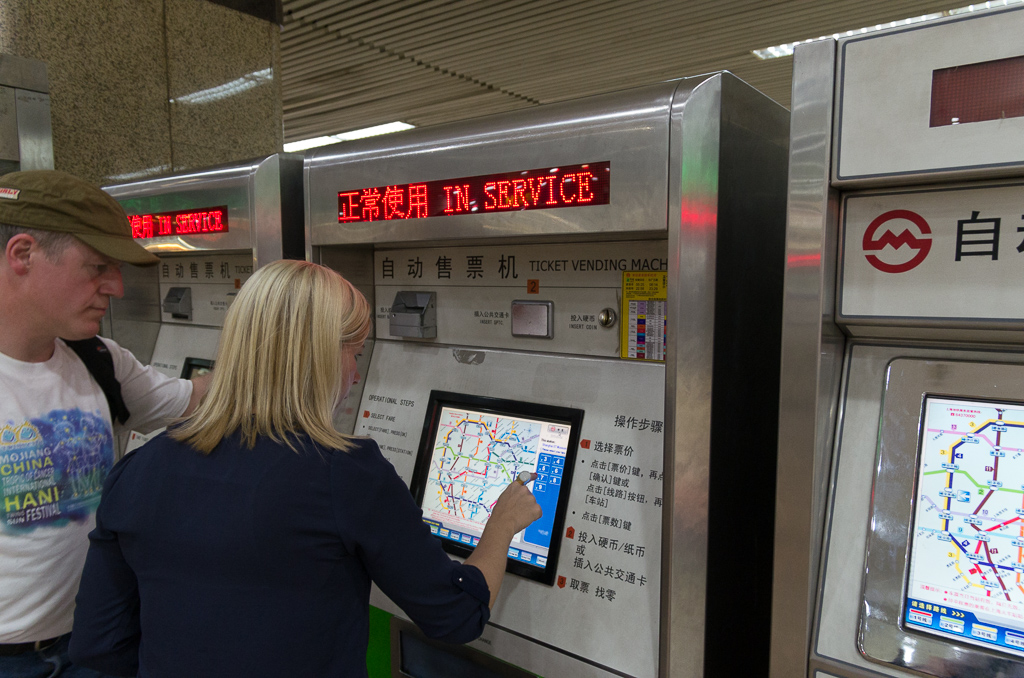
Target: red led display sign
point(536, 189)
point(185, 222)
point(990, 90)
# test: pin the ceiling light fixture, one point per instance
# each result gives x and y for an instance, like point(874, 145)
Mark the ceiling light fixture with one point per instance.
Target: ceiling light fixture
point(349, 136)
point(228, 89)
point(787, 49)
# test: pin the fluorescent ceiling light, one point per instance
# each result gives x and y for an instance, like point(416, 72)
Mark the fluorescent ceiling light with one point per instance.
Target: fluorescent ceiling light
point(349, 136)
point(787, 49)
point(228, 89)
point(130, 176)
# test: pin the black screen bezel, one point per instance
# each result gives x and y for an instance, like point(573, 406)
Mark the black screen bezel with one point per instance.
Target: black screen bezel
point(549, 413)
point(192, 363)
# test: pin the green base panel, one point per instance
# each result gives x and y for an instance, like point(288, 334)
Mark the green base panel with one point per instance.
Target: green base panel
point(378, 652)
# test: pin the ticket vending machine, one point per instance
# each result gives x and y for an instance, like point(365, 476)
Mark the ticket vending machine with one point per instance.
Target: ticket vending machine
point(211, 229)
point(26, 138)
point(589, 290)
point(900, 499)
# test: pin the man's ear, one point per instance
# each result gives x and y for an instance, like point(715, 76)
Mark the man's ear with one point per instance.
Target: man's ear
point(19, 253)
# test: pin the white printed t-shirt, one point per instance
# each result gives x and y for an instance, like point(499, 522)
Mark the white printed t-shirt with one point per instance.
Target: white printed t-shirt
point(56, 449)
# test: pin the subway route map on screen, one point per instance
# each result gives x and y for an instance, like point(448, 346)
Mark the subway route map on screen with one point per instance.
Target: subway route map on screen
point(966, 576)
point(475, 456)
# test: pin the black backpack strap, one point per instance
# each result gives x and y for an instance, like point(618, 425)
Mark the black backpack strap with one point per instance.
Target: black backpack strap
point(100, 364)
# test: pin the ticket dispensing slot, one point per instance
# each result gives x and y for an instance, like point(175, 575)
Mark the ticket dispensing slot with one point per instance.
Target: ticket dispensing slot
point(414, 314)
point(178, 303)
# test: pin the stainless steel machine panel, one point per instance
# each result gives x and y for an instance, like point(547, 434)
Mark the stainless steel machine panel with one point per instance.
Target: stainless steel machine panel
point(581, 281)
point(628, 129)
point(26, 137)
point(260, 218)
point(34, 130)
point(809, 391)
point(605, 604)
point(849, 522)
point(884, 103)
point(174, 344)
point(178, 342)
point(213, 281)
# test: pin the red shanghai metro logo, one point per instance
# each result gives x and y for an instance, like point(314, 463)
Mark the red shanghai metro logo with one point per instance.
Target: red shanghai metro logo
point(919, 245)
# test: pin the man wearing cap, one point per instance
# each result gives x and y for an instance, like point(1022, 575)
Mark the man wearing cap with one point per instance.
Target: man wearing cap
point(63, 243)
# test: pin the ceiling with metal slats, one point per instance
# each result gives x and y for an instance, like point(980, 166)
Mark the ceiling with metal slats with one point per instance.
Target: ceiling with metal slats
point(348, 64)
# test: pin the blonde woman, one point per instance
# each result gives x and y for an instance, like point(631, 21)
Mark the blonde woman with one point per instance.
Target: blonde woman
point(243, 543)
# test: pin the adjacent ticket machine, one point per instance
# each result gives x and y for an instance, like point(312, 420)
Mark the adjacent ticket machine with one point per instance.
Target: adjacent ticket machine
point(900, 522)
point(26, 138)
point(211, 229)
point(591, 291)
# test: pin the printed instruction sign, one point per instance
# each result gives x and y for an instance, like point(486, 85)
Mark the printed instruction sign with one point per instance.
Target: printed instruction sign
point(644, 303)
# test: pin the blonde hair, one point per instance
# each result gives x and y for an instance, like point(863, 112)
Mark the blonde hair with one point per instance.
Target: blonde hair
point(279, 364)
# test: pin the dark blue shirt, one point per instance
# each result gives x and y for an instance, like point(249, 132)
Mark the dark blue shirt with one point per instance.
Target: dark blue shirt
point(258, 563)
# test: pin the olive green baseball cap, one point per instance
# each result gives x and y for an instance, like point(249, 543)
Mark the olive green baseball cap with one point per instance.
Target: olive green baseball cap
point(49, 200)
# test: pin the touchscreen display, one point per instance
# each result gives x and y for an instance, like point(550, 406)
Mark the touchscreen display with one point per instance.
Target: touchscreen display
point(966, 576)
point(472, 448)
point(196, 367)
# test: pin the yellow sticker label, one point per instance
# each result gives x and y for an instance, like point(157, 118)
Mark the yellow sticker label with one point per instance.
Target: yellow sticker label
point(644, 303)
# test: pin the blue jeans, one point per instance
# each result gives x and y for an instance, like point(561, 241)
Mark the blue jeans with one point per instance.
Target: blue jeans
point(51, 662)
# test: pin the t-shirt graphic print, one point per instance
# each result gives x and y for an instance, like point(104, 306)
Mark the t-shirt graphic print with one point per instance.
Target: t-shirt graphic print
point(52, 468)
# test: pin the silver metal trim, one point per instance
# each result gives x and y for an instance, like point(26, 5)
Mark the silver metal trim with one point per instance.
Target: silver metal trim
point(830, 668)
point(35, 134)
point(809, 388)
point(265, 211)
point(835, 449)
point(695, 136)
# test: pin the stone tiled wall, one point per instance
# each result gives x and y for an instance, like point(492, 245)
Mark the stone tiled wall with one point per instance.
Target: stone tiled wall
point(146, 87)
